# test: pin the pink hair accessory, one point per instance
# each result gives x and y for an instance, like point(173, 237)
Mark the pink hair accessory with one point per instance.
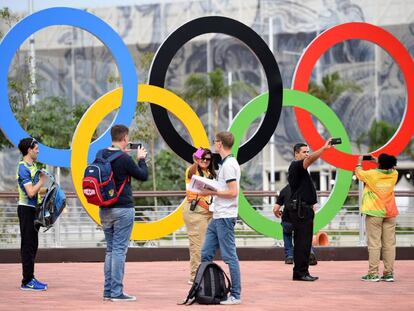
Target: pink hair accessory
point(199, 153)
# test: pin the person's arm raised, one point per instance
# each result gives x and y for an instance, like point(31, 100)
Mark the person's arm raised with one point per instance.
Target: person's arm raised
point(315, 155)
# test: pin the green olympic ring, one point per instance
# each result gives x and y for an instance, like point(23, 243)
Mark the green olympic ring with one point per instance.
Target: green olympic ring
point(293, 98)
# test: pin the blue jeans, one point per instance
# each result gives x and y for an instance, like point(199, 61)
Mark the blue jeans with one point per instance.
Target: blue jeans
point(220, 234)
point(288, 239)
point(117, 225)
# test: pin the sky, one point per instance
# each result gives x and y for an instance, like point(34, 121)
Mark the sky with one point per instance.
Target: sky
point(23, 5)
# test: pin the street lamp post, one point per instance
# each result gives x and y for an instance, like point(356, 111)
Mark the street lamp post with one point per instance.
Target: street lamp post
point(229, 82)
point(32, 98)
point(272, 187)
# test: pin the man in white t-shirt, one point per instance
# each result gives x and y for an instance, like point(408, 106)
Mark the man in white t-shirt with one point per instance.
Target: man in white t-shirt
point(220, 231)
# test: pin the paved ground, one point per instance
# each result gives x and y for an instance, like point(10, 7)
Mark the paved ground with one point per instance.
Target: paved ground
point(160, 285)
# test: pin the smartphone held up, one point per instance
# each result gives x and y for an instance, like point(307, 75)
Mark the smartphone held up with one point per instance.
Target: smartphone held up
point(336, 141)
point(367, 157)
point(134, 145)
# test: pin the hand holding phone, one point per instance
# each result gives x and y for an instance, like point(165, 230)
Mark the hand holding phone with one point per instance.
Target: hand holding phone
point(367, 157)
point(141, 152)
point(134, 145)
point(336, 141)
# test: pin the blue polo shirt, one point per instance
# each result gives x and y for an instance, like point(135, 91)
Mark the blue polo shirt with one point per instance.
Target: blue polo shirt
point(25, 175)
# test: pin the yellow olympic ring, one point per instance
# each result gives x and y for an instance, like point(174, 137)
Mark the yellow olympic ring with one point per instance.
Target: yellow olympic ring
point(90, 121)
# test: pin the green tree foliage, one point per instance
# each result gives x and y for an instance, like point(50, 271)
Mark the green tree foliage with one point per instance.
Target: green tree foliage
point(332, 87)
point(380, 133)
point(8, 18)
point(170, 171)
point(201, 87)
point(53, 122)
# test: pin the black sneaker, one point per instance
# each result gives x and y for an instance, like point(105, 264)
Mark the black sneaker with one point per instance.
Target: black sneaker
point(312, 260)
point(289, 261)
point(124, 297)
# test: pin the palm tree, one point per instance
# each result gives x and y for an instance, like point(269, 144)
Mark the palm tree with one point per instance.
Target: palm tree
point(201, 87)
point(379, 134)
point(332, 87)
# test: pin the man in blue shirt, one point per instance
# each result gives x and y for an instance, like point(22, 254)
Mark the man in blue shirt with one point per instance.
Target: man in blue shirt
point(29, 189)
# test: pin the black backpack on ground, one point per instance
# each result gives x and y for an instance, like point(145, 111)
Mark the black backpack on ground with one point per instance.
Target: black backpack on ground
point(210, 286)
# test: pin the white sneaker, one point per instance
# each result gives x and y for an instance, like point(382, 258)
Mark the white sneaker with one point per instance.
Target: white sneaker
point(231, 301)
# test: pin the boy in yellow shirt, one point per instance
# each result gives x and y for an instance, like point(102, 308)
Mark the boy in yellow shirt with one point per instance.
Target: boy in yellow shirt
point(378, 204)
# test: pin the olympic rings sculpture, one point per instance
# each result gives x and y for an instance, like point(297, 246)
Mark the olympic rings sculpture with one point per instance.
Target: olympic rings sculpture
point(269, 104)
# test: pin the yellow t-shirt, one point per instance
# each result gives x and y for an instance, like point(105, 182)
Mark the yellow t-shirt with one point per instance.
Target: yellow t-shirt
point(378, 197)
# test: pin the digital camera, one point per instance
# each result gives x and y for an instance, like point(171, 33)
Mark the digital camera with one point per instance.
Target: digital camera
point(336, 141)
point(134, 145)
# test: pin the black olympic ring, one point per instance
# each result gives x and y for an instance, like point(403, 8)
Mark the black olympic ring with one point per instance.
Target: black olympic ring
point(231, 27)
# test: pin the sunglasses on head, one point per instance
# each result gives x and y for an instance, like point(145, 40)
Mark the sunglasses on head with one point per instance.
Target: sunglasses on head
point(33, 143)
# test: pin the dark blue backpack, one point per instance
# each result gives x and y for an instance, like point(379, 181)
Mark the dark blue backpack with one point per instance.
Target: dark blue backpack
point(52, 205)
point(98, 182)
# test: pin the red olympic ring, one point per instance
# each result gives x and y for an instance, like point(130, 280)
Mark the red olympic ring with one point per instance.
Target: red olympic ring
point(313, 52)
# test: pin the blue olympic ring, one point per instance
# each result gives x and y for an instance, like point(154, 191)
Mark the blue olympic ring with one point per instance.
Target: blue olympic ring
point(77, 18)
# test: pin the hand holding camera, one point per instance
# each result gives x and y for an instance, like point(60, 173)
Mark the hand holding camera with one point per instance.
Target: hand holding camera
point(141, 151)
point(133, 146)
point(369, 157)
point(335, 141)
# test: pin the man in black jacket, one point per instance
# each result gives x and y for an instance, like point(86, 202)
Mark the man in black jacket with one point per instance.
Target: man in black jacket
point(118, 219)
point(300, 209)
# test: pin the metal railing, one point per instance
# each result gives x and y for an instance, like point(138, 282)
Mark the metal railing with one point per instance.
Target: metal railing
point(76, 229)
